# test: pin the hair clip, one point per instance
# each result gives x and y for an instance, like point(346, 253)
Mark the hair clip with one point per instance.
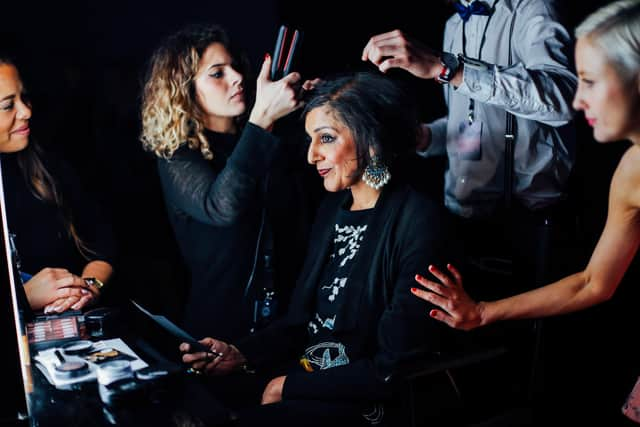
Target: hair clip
point(280, 68)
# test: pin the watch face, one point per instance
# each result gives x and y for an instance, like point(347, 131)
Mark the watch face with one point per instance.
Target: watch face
point(449, 60)
point(92, 281)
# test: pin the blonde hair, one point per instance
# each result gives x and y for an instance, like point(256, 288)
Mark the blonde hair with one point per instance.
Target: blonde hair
point(171, 116)
point(615, 29)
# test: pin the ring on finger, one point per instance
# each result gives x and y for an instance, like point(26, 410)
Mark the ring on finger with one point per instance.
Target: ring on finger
point(216, 353)
point(194, 371)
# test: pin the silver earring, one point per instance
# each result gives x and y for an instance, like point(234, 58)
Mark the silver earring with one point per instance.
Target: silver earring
point(376, 174)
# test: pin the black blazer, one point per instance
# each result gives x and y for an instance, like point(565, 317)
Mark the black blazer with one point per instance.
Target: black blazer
point(383, 323)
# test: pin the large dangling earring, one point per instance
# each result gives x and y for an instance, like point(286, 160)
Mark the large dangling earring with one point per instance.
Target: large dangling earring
point(376, 174)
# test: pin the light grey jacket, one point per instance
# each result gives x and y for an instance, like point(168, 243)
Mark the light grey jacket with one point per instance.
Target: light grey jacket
point(537, 88)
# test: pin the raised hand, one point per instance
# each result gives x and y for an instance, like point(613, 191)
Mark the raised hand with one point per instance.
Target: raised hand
point(274, 99)
point(458, 310)
point(397, 50)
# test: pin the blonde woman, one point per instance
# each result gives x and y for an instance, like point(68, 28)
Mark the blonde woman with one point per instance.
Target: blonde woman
point(230, 193)
point(608, 65)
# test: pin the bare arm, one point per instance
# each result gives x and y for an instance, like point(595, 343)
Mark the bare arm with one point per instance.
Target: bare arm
point(597, 283)
point(101, 270)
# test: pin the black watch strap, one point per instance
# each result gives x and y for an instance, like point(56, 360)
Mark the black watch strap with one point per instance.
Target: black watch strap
point(450, 66)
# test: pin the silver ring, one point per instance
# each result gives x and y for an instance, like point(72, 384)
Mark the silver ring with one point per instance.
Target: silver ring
point(194, 371)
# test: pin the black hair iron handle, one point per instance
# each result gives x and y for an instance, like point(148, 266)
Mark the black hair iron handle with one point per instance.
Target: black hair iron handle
point(281, 64)
point(277, 52)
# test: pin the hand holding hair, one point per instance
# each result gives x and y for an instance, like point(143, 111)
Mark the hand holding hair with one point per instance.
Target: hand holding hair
point(274, 99)
point(397, 50)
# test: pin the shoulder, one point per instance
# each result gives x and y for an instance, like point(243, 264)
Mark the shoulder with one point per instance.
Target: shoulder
point(415, 203)
point(182, 153)
point(181, 157)
point(418, 213)
point(420, 228)
point(625, 184)
point(529, 8)
point(417, 200)
point(628, 173)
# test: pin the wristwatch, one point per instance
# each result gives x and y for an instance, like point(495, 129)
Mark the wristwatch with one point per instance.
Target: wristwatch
point(92, 281)
point(450, 66)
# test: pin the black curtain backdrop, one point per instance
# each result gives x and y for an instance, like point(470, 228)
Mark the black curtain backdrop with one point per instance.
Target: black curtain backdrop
point(84, 63)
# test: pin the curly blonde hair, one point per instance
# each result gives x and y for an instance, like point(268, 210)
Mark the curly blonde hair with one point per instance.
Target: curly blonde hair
point(171, 116)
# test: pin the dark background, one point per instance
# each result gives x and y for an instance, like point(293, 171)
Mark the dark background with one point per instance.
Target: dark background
point(85, 62)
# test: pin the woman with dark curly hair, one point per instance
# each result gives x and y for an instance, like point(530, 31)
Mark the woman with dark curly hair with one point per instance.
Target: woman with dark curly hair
point(353, 320)
point(232, 196)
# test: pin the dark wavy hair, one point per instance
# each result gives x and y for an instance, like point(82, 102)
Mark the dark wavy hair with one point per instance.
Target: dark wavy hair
point(378, 111)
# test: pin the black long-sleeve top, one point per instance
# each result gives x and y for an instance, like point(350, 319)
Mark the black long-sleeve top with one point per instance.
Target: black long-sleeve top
point(215, 208)
point(41, 237)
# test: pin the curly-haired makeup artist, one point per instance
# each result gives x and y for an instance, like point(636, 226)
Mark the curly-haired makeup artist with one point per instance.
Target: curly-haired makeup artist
point(233, 193)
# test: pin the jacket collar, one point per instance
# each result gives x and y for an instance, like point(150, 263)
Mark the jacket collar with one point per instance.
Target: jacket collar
point(387, 207)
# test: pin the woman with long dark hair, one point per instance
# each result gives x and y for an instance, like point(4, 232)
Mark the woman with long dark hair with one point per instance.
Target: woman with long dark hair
point(64, 250)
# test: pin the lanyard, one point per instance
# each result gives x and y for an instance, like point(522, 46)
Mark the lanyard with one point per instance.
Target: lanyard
point(471, 114)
